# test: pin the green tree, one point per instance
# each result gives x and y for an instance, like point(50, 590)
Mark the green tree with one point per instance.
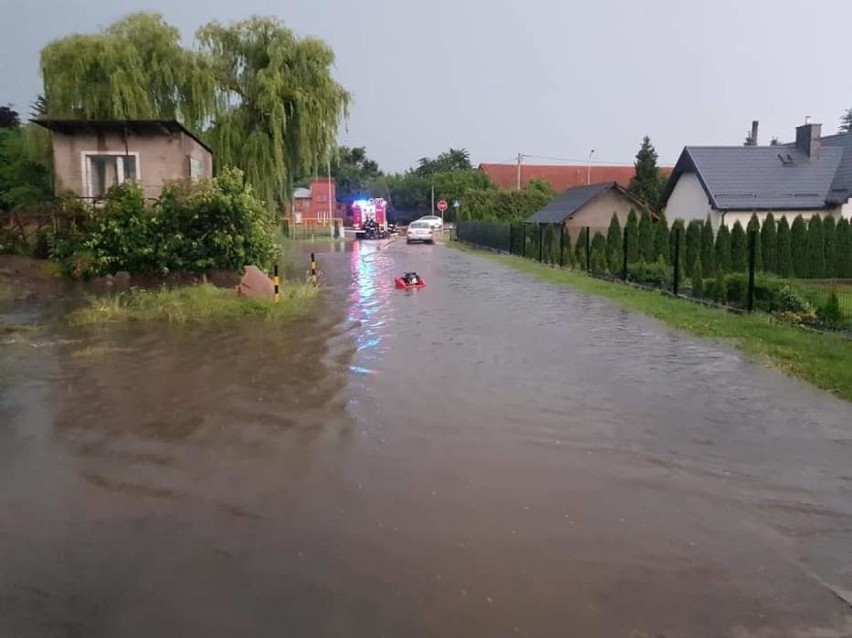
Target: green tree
point(24, 180)
point(739, 248)
point(829, 230)
point(846, 122)
point(844, 248)
point(816, 248)
point(769, 244)
point(9, 117)
point(754, 227)
point(661, 240)
point(646, 238)
point(677, 233)
point(632, 230)
point(264, 98)
point(697, 279)
point(580, 249)
point(692, 244)
point(454, 159)
point(723, 249)
point(785, 258)
point(614, 245)
point(799, 247)
point(648, 182)
point(708, 257)
point(353, 171)
point(599, 261)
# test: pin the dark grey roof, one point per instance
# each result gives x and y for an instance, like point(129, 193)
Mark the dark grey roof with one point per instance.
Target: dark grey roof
point(68, 126)
point(754, 177)
point(569, 202)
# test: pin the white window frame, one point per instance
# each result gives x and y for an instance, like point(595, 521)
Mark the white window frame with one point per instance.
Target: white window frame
point(87, 167)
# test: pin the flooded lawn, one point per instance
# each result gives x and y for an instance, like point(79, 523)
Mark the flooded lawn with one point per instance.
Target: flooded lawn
point(487, 456)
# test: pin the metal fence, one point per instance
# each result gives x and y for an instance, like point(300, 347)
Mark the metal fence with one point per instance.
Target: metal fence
point(312, 229)
point(664, 259)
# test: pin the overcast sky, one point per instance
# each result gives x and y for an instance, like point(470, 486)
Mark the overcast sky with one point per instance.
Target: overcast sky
point(547, 78)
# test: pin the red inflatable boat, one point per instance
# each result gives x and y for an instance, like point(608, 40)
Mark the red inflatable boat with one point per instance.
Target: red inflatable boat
point(401, 283)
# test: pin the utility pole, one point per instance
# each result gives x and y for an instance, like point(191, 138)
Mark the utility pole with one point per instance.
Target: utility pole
point(589, 168)
point(432, 212)
point(520, 157)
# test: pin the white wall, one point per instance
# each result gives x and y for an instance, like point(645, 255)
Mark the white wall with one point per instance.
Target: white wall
point(688, 200)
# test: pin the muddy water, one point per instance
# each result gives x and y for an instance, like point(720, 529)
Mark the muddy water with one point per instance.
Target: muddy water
point(488, 456)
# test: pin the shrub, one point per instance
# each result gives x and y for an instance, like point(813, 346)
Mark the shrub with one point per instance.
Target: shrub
point(739, 248)
point(784, 266)
point(723, 249)
point(708, 256)
point(697, 279)
point(769, 244)
point(830, 312)
point(799, 247)
point(793, 308)
point(658, 274)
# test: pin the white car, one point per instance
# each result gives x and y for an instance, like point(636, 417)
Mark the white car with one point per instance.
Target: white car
point(419, 231)
point(434, 221)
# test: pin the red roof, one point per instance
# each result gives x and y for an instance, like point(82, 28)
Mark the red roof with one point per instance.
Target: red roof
point(561, 177)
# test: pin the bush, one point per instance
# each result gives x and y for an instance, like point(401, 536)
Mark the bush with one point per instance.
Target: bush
point(793, 308)
point(658, 274)
point(697, 279)
point(213, 224)
point(830, 312)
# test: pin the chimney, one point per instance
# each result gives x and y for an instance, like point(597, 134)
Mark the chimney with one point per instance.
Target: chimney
point(754, 132)
point(807, 138)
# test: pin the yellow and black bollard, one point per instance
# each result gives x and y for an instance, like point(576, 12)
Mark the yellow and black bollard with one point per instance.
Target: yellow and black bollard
point(313, 270)
point(277, 296)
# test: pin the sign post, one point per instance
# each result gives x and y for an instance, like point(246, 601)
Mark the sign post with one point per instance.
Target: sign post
point(442, 206)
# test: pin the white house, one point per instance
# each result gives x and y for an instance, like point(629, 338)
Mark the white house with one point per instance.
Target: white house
point(812, 175)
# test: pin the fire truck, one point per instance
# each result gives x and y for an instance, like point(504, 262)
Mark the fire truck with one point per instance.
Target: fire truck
point(369, 218)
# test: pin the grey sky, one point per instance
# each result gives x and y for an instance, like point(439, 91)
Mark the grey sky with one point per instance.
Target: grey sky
point(541, 77)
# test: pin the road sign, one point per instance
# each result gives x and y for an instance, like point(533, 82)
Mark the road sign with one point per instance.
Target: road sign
point(442, 205)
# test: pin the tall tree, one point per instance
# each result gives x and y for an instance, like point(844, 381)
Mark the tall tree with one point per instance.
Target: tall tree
point(723, 249)
point(754, 227)
point(739, 248)
point(661, 239)
point(647, 184)
point(454, 159)
point(844, 248)
point(799, 246)
point(846, 122)
point(263, 97)
point(614, 246)
point(9, 117)
point(816, 248)
point(677, 234)
point(785, 258)
point(708, 251)
point(692, 244)
point(646, 238)
point(769, 244)
point(353, 171)
point(829, 231)
point(632, 230)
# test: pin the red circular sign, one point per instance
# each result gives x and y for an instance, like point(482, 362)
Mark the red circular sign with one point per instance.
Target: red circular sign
point(442, 205)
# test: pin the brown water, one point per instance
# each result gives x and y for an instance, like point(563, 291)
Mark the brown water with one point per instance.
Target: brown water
point(488, 456)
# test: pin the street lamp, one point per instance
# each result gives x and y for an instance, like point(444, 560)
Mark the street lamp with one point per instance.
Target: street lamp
point(589, 168)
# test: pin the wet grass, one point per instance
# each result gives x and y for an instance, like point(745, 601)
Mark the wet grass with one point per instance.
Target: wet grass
point(825, 360)
point(193, 304)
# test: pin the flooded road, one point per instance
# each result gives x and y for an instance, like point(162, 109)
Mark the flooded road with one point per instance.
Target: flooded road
point(488, 456)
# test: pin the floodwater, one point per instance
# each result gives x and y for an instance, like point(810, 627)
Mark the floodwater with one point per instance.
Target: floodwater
point(488, 456)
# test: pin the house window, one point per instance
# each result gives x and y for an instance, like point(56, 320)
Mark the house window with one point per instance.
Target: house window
point(194, 168)
point(106, 171)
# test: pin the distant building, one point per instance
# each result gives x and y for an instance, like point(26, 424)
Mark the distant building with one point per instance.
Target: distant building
point(591, 206)
point(560, 177)
point(812, 175)
point(316, 204)
point(91, 156)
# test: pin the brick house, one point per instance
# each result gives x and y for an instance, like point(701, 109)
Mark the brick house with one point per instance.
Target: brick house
point(316, 204)
point(91, 156)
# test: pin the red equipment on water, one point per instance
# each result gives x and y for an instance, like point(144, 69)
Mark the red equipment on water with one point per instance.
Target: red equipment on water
point(403, 284)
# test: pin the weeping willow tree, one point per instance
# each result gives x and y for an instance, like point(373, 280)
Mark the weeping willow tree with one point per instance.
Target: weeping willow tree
point(279, 106)
point(264, 98)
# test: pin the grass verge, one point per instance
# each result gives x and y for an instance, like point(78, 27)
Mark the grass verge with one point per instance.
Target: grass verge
point(825, 360)
point(193, 304)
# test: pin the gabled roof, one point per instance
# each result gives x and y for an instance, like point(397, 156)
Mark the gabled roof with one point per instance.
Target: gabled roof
point(559, 176)
point(572, 200)
point(780, 177)
point(68, 126)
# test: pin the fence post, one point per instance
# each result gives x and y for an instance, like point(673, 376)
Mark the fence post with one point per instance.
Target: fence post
point(752, 246)
point(562, 245)
point(624, 254)
point(676, 280)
